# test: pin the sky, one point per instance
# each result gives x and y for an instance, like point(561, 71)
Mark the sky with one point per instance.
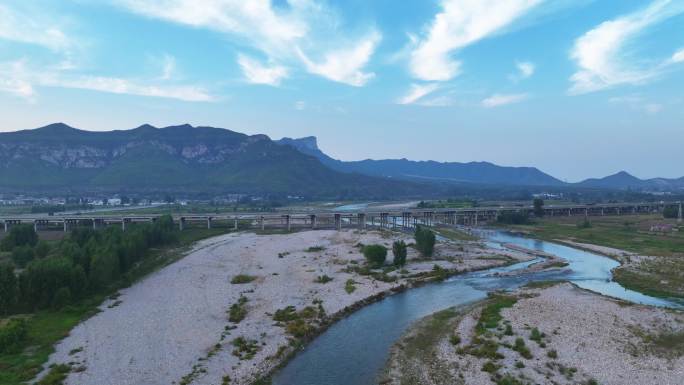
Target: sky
point(577, 88)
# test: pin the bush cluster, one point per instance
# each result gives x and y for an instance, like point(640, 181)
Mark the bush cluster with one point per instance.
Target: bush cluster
point(85, 262)
point(425, 241)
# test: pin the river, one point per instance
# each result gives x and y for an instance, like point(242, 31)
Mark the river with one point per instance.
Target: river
point(355, 349)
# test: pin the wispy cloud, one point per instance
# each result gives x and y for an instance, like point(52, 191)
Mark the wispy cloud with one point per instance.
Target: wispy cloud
point(12, 75)
point(678, 56)
point(638, 103)
point(417, 92)
point(257, 73)
point(524, 69)
point(32, 28)
point(168, 64)
point(345, 65)
point(599, 52)
point(299, 34)
point(17, 78)
point(497, 100)
point(459, 24)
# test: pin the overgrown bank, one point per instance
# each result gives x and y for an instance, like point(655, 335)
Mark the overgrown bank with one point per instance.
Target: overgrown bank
point(63, 283)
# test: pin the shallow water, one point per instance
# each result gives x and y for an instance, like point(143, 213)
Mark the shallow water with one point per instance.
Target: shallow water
point(354, 350)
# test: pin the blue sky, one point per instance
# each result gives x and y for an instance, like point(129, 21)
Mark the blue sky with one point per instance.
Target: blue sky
point(578, 88)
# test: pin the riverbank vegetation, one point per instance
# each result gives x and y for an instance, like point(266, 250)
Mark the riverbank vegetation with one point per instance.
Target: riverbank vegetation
point(60, 287)
point(660, 274)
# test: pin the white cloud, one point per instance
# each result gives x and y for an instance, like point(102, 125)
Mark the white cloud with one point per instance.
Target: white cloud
point(168, 67)
point(598, 53)
point(300, 105)
point(257, 73)
point(12, 81)
point(417, 92)
point(525, 69)
point(345, 65)
point(678, 56)
point(289, 36)
point(17, 78)
point(32, 28)
point(459, 24)
point(638, 103)
point(497, 100)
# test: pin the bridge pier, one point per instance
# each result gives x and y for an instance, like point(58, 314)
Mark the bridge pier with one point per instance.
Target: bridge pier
point(123, 224)
point(209, 223)
point(362, 220)
point(261, 223)
point(313, 221)
point(287, 222)
point(181, 223)
point(338, 221)
point(235, 224)
point(679, 215)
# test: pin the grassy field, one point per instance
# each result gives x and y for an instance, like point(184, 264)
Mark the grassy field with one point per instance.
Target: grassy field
point(630, 233)
point(46, 328)
point(660, 276)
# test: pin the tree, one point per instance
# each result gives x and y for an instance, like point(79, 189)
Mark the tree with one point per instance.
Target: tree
point(62, 298)
point(42, 249)
point(538, 207)
point(399, 251)
point(8, 288)
point(19, 235)
point(375, 255)
point(425, 241)
point(22, 255)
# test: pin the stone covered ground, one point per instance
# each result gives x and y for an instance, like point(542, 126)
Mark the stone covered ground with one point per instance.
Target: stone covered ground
point(558, 334)
point(195, 322)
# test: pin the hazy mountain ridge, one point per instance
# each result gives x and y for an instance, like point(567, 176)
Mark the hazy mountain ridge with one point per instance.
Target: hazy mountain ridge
point(474, 172)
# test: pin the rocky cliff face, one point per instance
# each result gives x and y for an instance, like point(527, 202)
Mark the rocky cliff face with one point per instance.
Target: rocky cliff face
point(198, 159)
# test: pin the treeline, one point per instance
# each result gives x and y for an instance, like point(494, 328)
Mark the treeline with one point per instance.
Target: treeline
point(84, 263)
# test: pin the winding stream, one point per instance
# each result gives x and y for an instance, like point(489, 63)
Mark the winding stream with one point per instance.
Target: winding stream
point(354, 350)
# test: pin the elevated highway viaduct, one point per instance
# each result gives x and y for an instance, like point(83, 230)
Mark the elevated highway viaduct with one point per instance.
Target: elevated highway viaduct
point(337, 220)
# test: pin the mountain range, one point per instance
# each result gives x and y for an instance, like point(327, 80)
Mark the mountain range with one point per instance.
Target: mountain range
point(215, 160)
point(177, 158)
point(475, 172)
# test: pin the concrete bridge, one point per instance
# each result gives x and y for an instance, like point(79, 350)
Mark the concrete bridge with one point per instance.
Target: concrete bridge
point(395, 218)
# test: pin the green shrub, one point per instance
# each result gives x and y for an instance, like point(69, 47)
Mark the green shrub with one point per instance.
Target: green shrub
point(552, 354)
point(439, 273)
point(12, 335)
point(399, 252)
point(19, 235)
point(536, 336)
point(8, 288)
point(298, 328)
point(238, 310)
point(242, 278)
point(42, 249)
point(323, 279)
point(375, 255)
point(314, 249)
point(62, 298)
point(425, 241)
point(245, 349)
point(349, 286)
point(22, 255)
point(286, 314)
point(508, 380)
point(56, 375)
point(490, 367)
point(455, 339)
point(522, 349)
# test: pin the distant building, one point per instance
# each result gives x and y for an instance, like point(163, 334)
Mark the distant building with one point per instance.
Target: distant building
point(662, 228)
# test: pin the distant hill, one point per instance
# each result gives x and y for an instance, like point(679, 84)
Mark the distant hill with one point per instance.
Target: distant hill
point(472, 172)
point(176, 158)
point(624, 180)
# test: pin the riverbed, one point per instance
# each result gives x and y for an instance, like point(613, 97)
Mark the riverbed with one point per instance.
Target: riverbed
point(354, 350)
